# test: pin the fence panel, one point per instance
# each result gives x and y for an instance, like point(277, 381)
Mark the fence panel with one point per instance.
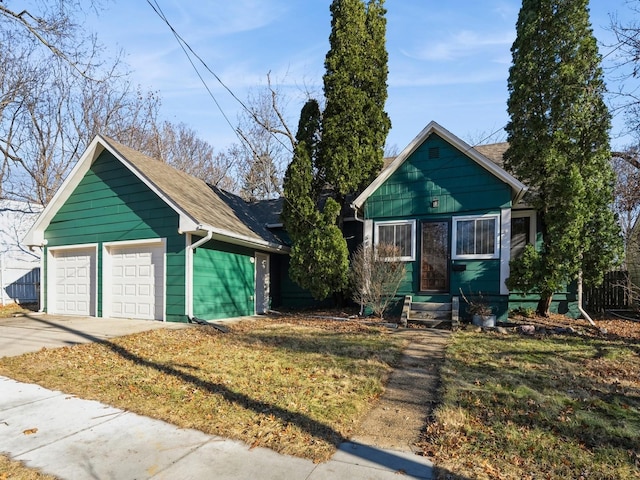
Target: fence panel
point(19, 284)
point(613, 294)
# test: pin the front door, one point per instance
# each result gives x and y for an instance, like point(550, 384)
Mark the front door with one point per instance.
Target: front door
point(434, 263)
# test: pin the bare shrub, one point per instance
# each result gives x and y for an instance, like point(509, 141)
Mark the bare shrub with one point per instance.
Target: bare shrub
point(376, 274)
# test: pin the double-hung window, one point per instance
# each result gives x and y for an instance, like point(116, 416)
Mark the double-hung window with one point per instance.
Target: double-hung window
point(400, 234)
point(476, 237)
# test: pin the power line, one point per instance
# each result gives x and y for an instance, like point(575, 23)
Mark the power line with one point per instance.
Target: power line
point(188, 51)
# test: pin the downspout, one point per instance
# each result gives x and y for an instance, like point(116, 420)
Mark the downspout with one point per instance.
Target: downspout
point(192, 249)
point(361, 220)
point(580, 309)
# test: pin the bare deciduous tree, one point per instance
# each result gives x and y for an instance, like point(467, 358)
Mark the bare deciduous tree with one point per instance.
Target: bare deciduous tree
point(179, 146)
point(267, 144)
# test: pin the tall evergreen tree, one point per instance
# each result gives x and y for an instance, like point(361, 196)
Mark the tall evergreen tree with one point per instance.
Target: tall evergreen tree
point(319, 257)
point(354, 125)
point(347, 155)
point(558, 137)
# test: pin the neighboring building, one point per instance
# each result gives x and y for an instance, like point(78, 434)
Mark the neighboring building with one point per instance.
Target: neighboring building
point(129, 236)
point(19, 268)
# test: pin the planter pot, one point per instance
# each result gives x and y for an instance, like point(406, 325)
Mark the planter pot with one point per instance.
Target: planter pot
point(484, 320)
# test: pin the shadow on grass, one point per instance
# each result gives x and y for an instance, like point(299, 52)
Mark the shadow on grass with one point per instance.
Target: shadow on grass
point(320, 430)
point(556, 391)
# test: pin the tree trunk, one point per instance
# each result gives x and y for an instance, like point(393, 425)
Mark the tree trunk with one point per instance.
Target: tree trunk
point(544, 304)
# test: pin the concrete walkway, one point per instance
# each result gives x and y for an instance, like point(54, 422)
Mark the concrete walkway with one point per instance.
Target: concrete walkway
point(72, 438)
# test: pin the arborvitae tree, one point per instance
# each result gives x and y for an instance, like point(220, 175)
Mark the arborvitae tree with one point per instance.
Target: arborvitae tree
point(354, 124)
point(319, 257)
point(348, 154)
point(299, 211)
point(559, 145)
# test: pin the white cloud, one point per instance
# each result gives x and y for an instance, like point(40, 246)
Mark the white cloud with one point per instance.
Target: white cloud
point(462, 44)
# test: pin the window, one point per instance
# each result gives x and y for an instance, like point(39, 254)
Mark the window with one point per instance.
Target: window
point(476, 237)
point(401, 234)
point(522, 231)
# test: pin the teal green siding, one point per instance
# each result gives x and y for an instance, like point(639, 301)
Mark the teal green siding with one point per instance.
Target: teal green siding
point(111, 204)
point(461, 186)
point(223, 281)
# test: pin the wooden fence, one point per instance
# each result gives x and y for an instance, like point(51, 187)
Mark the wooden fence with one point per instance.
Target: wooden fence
point(613, 294)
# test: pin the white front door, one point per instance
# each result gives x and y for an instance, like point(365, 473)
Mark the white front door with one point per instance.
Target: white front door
point(262, 283)
point(137, 281)
point(73, 288)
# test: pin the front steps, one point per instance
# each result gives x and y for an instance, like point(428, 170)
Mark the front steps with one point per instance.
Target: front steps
point(431, 314)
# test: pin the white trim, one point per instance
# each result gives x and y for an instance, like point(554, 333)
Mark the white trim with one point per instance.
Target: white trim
point(188, 277)
point(51, 276)
point(136, 243)
point(384, 223)
point(518, 189)
point(505, 249)
point(258, 256)
point(107, 248)
point(367, 230)
point(454, 234)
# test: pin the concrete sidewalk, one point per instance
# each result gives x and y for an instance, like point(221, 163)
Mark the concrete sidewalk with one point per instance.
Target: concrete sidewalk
point(73, 438)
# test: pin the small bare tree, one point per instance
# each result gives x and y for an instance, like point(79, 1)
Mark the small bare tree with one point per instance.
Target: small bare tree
point(376, 274)
point(626, 205)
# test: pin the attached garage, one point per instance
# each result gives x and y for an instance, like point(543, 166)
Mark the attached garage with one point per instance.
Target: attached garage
point(134, 281)
point(72, 280)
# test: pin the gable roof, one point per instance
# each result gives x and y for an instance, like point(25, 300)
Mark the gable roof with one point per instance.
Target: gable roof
point(200, 207)
point(518, 189)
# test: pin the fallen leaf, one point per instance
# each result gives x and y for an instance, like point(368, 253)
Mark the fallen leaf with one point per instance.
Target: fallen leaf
point(30, 431)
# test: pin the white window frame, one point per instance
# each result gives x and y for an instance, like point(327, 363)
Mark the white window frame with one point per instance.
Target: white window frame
point(474, 256)
point(412, 223)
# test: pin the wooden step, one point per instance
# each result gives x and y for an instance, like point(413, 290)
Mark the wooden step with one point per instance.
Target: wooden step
point(429, 313)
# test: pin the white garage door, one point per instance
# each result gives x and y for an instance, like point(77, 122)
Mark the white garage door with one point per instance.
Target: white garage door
point(137, 279)
point(74, 286)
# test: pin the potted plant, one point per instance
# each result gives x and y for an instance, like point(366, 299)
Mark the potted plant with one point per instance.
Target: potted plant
point(481, 312)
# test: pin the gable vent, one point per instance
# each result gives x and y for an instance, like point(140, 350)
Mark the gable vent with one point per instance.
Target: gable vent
point(434, 152)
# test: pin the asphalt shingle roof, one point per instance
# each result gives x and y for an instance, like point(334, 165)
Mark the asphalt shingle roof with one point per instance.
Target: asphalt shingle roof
point(203, 203)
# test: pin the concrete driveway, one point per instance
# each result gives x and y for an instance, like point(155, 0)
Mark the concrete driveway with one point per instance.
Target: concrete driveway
point(32, 332)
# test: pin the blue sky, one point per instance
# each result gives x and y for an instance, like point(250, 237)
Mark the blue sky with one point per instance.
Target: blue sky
point(448, 60)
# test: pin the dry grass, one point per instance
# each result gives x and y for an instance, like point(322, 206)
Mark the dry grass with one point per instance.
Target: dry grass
point(297, 387)
point(12, 470)
point(550, 406)
point(11, 309)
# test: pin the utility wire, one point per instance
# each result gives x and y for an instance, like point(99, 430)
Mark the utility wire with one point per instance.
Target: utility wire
point(185, 46)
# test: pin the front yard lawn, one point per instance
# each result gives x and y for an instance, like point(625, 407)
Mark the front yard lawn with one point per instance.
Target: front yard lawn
point(552, 406)
point(298, 387)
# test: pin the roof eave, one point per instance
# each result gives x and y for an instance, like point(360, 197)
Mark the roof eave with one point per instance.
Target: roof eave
point(242, 240)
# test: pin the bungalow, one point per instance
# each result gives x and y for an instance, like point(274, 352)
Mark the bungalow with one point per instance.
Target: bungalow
point(129, 236)
point(457, 218)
